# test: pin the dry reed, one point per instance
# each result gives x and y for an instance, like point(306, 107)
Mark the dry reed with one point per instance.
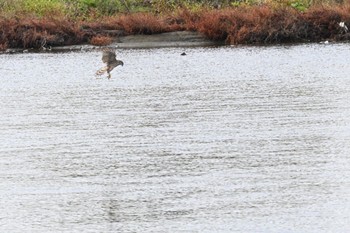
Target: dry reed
point(242, 25)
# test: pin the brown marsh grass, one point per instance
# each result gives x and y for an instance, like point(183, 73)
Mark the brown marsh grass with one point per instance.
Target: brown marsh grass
point(142, 23)
point(36, 33)
point(241, 25)
point(263, 24)
point(100, 40)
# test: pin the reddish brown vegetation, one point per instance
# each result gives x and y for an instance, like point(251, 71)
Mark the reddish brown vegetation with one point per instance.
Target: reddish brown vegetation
point(260, 24)
point(101, 40)
point(35, 33)
point(142, 23)
point(266, 25)
point(184, 20)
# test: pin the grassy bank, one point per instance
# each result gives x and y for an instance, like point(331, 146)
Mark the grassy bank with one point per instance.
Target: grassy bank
point(43, 23)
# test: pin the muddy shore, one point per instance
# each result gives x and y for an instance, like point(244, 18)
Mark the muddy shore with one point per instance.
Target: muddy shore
point(168, 39)
point(162, 40)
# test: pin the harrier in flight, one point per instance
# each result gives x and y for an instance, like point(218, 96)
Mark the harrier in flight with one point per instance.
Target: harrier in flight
point(109, 58)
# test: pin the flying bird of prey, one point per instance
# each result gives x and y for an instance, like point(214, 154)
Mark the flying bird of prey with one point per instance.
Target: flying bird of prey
point(109, 57)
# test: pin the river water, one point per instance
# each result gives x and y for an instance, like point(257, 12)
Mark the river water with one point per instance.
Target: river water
point(228, 139)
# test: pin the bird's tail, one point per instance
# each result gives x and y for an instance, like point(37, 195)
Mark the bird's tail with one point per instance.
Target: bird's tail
point(102, 71)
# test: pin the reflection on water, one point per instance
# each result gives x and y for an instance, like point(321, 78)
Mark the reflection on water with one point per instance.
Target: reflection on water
point(250, 139)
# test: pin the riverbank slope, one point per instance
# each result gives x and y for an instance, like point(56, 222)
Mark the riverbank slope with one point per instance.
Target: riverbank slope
point(258, 24)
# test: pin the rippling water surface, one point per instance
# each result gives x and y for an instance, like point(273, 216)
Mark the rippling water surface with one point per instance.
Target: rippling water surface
point(229, 139)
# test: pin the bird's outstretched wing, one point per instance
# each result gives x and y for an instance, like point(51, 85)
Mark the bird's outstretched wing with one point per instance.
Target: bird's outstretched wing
point(108, 56)
point(102, 71)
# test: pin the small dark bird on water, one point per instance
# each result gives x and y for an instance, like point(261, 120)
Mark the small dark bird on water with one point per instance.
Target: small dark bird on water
point(183, 54)
point(109, 57)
